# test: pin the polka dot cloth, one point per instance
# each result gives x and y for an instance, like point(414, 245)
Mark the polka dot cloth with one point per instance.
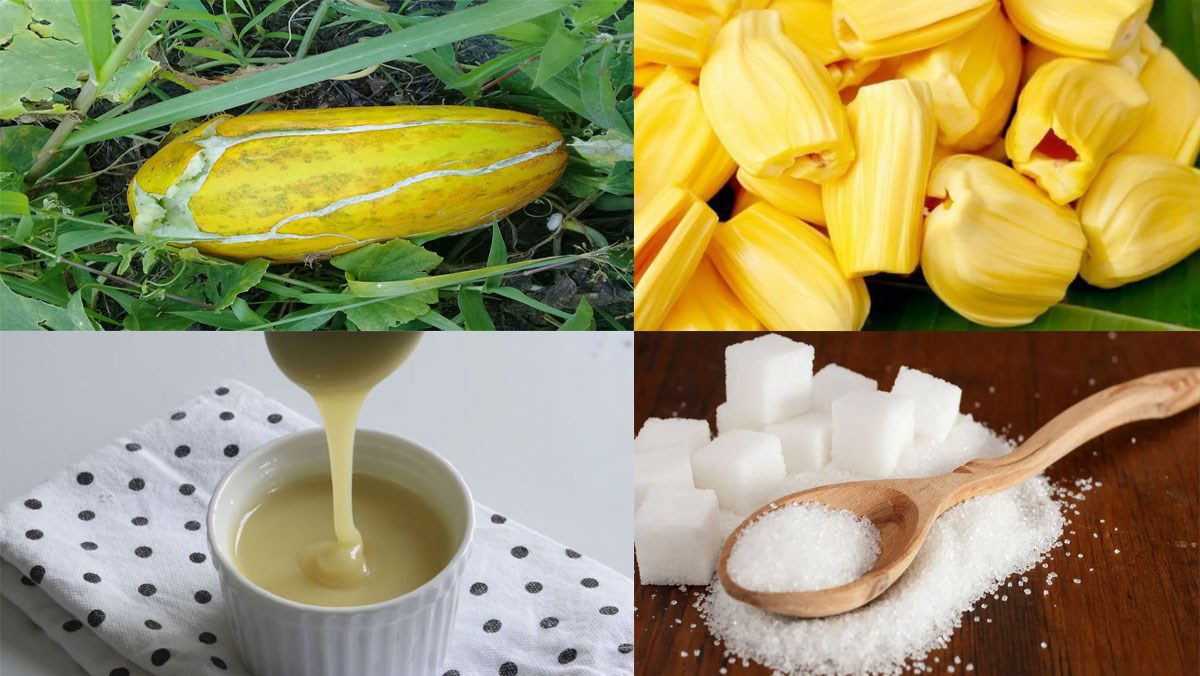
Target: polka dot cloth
point(110, 558)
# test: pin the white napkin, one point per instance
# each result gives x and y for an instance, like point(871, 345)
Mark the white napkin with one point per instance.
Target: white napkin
point(110, 558)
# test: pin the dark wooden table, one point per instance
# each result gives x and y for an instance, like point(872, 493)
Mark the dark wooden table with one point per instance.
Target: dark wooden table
point(1137, 613)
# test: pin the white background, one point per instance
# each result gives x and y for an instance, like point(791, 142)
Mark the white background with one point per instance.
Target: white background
point(540, 425)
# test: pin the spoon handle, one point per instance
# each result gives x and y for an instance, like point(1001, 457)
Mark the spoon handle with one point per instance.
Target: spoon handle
point(1158, 395)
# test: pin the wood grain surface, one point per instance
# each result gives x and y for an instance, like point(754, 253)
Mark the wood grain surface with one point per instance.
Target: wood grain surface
point(1138, 612)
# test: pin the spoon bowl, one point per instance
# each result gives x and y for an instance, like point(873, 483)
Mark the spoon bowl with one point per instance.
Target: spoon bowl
point(903, 510)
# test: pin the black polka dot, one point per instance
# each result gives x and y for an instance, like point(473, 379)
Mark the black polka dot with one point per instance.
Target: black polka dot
point(192, 525)
point(86, 515)
point(33, 503)
point(186, 489)
point(91, 577)
point(137, 484)
point(147, 589)
point(72, 625)
point(133, 447)
point(520, 552)
point(119, 671)
point(274, 418)
point(34, 534)
point(589, 582)
point(479, 589)
point(226, 415)
point(533, 587)
point(160, 657)
point(567, 656)
point(196, 557)
point(573, 554)
point(222, 391)
point(491, 626)
point(202, 597)
point(549, 623)
point(37, 574)
point(140, 521)
point(183, 451)
point(84, 478)
point(208, 638)
point(452, 672)
point(218, 662)
point(143, 552)
point(89, 546)
point(625, 648)
point(231, 451)
point(496, 518)
point(26, 581)
point(152, 625)
point(96, 618)
point(179, 415)
point(508, 669)
point(608, 610)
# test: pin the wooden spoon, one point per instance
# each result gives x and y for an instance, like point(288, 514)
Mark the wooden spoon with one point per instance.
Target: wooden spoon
point(904, 509)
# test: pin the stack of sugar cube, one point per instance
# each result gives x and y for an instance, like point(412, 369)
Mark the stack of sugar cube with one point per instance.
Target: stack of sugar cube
point(778, 419)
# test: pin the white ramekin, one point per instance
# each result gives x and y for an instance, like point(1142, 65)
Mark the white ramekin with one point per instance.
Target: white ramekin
point(403, 636)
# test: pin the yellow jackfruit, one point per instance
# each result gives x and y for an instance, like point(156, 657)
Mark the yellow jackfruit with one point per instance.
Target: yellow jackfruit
point(794, 196)
point(1091, 29)
point(708, 304)
point(645, 73)
point(785, 272)
point(1172, 125)
point(721, 8)
point(742, 200)
point(876, 29)
point(674, 143)
point(670, 235)
point(873, 212)
point(773, 106)
point(996, 250)
point(1140, 217)
point(1072, 115)
point(670, 36)
point(974, 80)
point(1147, 45)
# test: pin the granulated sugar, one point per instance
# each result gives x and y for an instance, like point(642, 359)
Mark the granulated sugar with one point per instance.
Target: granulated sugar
point(803, 547)
point(972, 550)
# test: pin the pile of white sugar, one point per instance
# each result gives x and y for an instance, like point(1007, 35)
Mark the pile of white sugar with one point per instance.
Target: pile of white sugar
point(803, 547)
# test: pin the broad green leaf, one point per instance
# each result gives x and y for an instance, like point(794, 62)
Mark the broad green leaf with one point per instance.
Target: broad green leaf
point(393, 261)
point(442, 30)
point(595, 11)
point(224, 282)
point(388, 313)
point(561, 49)
point(19, 146)
point(18, 313)
point(581, 320)
point(475, 315)
point(604, 150)
point(597, 93)
point(13, 202)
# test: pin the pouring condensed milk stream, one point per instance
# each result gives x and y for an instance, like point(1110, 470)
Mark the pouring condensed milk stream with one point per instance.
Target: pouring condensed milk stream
point(338, 370)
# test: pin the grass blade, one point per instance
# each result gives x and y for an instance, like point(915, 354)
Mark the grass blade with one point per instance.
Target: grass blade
point(411, 286)
point(475, 315)
point(373, 51)
point(95, 22)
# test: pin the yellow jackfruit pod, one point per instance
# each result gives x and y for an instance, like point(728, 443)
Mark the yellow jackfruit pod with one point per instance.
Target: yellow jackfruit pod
point(743, 199)
point(876, 29)
point(670, 236)
point(793, 196)
point(785, 272)
point(974, 80)
point(1172, 124)
point(772, 105)
point(873, 212)
point(721, 8)
point(1140, 217)
point(645, 73)
point(671, 36)
point(848, 73)
point(674, 142)
point(1090, 29)
point(1071, 116)
point(708, 304)
point(1133, 61)
point(996, 250)
point(809, 24)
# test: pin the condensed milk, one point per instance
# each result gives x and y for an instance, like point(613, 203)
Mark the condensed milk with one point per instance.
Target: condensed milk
point(341, 539)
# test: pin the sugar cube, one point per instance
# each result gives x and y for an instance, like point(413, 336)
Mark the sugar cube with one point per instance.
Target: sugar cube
point(871, 430)
point(730, 418)
point(669, 466)
point(833, 381)
point(742, 466)
point(677, 536)
point(805, 441)
point(769, 378)
point(937, 401)
point(663, 432)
